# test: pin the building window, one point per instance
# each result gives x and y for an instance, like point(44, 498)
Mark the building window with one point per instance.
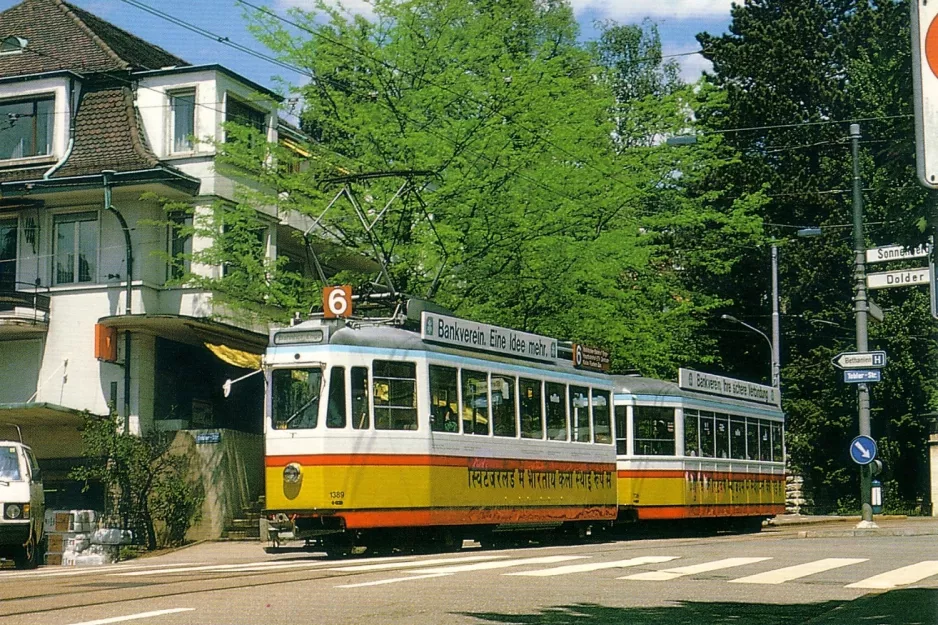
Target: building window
point(238, 112)
point(180, 245)
point(26, 128)
point(7, 255)
point(182, 119)
point(76, 247)
point(12, 45)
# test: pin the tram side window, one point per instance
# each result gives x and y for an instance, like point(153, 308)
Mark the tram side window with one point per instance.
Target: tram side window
point(765, 441)
point(504, 417)
point(723, 435)
point(691, 433)
point(707, 435)
point(777, 450)
point(444, 404)
point(395, 385)
point(602, 425)
point(738, 438)
point(475, 402)
point(580, 414)
point(654, 430)
point(752, 439)
point(556, 411)
point(532, 422)
point(296, 398)
point(361, 416)
point(622, 432)
point(335, 411)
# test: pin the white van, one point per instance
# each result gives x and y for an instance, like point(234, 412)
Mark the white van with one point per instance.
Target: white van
point(22, 504)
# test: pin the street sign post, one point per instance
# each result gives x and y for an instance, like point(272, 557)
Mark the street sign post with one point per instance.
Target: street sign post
point(925, 89)
point(863, 450)
point(860, 360)
point(900, 277)
point(858, 376)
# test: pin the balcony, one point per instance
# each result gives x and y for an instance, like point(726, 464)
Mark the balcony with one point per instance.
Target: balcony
point(24, 311)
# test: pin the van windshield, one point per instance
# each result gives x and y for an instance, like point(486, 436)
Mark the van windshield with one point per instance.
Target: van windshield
point(9, 464)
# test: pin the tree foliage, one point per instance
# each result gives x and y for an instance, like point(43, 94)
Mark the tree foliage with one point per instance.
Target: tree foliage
point(795, 74)
point(500, 166)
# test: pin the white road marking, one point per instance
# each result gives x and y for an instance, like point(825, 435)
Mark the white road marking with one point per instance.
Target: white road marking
point(483, 566)
point(779, 576)
point(394, 580)
point(414, 563)
point(132, 617)
point(694, 569)
point(59, 571)
point(595, 566)
point(223, 568)
point(899, 577)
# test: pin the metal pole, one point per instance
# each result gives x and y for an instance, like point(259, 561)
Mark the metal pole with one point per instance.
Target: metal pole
point(776, 333)
point(860, 307)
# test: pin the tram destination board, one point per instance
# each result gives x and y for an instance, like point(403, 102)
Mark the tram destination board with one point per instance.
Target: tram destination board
point(591, 358)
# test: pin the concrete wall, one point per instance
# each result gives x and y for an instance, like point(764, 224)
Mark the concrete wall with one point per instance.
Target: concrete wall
point(19, 369)
point(231, 473)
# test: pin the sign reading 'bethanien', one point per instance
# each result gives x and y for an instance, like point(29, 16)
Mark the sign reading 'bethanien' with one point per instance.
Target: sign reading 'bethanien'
point(469, 334)
point(728, 387)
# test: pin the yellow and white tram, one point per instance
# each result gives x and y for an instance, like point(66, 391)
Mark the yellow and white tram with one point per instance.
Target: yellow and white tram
point(377, 433)
point(707, 447)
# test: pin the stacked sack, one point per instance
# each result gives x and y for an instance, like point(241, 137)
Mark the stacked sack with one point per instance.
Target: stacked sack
point(74, 539)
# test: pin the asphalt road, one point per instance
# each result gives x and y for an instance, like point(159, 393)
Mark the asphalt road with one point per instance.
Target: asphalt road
point(776, 577)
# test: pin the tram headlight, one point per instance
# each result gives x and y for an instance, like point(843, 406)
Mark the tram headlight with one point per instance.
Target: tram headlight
point(292, 473)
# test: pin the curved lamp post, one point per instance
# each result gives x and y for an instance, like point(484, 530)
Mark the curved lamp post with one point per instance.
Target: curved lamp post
point(772, 353)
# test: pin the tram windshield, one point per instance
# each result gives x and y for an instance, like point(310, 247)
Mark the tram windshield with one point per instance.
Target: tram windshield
point(296, 395)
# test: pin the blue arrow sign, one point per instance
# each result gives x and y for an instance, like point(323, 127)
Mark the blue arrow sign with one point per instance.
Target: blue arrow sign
point(863, 449)
point(856, 376)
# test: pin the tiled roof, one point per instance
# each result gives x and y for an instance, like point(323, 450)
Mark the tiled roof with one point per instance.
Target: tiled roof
point(107, 137)
point(93, 45)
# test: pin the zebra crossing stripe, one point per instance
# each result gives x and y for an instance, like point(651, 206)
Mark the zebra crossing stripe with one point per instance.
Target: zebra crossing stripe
point(413, 563)
point(779, 576)
point(394, 580)
point(224, 568)
point(694, 569)
point(595, 566)
point(482, 566)
point(899, 577)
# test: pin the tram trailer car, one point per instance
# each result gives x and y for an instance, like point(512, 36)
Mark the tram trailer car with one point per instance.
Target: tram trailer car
point(708, 447)
point(377, 435)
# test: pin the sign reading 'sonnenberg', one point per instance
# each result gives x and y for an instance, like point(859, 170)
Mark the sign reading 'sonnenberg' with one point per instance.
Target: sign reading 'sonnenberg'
point(728, 387)
point(469, 334)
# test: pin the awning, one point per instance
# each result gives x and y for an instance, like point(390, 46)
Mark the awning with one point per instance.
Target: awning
point(191, 330)
point(39, 414)
point(235, 357)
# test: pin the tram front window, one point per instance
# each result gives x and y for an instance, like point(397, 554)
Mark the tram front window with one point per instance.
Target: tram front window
point(296, 395)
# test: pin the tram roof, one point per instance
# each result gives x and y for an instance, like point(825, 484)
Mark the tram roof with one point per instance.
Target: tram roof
point(639, 386)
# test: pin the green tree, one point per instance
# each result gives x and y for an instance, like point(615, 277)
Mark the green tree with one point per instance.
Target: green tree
point(794, 75)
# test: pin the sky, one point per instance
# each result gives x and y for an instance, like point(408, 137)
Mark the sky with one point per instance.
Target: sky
point(678, 22)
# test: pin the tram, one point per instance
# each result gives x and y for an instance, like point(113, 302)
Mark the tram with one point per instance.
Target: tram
point(708, 447)
point(437, 429)
point(423, 427)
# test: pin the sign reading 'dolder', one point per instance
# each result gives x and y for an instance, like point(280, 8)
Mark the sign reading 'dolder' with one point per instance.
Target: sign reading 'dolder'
point(727, 387)
point(471, 335)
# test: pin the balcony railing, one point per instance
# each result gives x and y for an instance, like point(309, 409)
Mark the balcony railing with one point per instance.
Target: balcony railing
point(13, 298)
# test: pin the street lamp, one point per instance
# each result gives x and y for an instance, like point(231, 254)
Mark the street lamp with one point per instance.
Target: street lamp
point(772, 352)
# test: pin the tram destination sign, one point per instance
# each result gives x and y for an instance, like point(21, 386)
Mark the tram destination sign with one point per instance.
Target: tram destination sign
point(727, 387)
point(591, 358)
point(895, 252)
point(456, 332)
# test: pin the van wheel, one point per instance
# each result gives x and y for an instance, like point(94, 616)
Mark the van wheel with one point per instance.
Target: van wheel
point(26, 556)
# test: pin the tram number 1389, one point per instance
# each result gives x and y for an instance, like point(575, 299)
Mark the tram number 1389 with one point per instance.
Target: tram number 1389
point(337, 497)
